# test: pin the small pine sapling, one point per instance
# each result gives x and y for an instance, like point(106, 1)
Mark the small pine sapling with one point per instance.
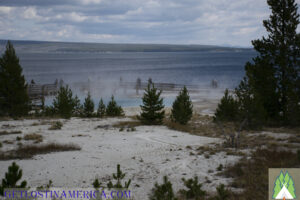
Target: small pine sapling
point(194, 189)
point(163, 191)
point(118, 177)
point(13, 175)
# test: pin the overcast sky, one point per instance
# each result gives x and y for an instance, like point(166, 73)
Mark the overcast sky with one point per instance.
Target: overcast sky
point(214, 22)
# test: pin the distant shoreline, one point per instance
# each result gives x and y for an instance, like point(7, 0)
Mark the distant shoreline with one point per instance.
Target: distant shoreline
point(76, 47)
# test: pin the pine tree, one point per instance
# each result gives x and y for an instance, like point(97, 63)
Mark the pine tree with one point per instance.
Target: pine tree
point(194, 189)
point(78, 108)
point(13, 175)
point(182, 109)
point(113, 109)
point(163, 191)
point(222, 193)
point(64, 102)
point(101, 108)
point(118, 177)
point(88, 106)
point(152, 108)
point(227, 109)
point(272, 77)
point(14, 100)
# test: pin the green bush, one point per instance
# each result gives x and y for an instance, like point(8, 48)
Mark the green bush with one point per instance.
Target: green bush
point(113, 109)
point(163, 191)
point(182, 109)
point(13, 175)
point(194, 189)
point(152, 108)
point(56, 126)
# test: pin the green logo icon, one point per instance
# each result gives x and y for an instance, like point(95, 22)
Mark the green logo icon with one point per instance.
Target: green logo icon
point(284, 187)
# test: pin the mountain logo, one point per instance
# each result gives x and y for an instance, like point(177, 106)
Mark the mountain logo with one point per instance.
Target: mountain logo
point(284, 187)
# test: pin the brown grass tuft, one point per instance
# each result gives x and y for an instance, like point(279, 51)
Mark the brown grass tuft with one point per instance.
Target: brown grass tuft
point(10, 132)
point(28, 151)
point(33, 136)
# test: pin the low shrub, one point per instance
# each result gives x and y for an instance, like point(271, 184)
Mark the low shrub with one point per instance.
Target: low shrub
point(56, 125)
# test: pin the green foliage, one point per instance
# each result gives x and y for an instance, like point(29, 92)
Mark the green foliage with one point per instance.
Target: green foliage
point(96, 184)
point(152, 108)
point(222, 193)
point(163, 191)
point(78, 108)
point(88, 106)
point(64, 103)
point(250, 106)
point(13, 175)
point(194, 189)
point(14, 100)
point(298, 154)
point(182, 109)
point(101, 108)
point(227, 109)
point(118, 177)
point(113, 109)
point(270, 92)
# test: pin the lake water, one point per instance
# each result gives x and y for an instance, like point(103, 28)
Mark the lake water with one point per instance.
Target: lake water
point(190, 68)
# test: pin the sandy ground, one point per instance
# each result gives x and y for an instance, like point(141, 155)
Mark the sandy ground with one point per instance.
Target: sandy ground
point(146, 155)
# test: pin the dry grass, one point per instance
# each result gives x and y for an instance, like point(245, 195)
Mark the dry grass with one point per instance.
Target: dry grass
point(199, 125)
point(34, 136)
point(252, 175)
point(28, 151)
point(10, 132)
point(127, 124)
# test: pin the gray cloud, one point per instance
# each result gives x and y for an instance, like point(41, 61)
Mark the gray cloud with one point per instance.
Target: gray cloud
point(218, 22)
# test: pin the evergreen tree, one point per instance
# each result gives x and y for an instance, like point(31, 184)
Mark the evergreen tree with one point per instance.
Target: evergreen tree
point(163, 191)
point(272, 76)
point(14, 100)
point(78, 108)
point(64, 102)
point(88, 106)
point(118, 177)
point(182, 109)
point(194, 189)
point(101, 108)
point(113, 109)
point(13, 175)
point(227, 109)
point(152, 108)
point(222, 193)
